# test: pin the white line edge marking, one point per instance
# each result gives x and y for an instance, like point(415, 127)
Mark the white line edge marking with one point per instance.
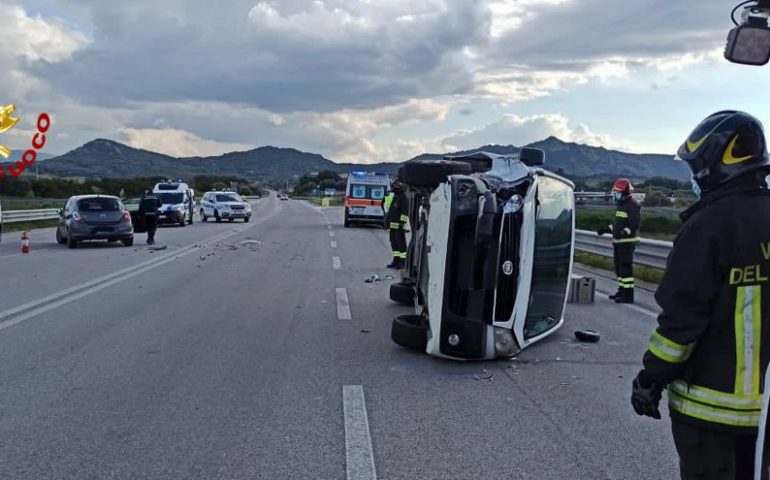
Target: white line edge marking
point(108, 280)
point(343, 306)
point(336, 263)
point(649, 313)
point(334, 244)
point(359, 455)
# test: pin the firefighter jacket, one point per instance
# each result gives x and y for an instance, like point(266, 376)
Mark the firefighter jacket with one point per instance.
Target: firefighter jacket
point(625, 226)
point(398, 213)
point(387, 202)
point(711, 345)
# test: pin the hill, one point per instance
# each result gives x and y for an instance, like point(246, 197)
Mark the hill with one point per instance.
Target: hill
point(109, 159)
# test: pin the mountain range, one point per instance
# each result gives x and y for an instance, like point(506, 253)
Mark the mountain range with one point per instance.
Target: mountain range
point(106, 158)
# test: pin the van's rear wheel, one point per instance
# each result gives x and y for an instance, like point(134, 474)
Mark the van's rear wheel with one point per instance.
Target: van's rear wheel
point(410, 331)
point(203, 216)
point(430, 173)
point(402, 293)
point(347, 219)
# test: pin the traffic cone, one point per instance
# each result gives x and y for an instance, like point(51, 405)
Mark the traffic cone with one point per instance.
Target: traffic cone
point(25, 242)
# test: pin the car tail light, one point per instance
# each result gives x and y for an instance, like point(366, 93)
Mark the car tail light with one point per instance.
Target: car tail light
point(126, 216)
point(78, 217)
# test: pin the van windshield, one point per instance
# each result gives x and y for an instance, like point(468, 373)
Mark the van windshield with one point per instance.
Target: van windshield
point(171, 198)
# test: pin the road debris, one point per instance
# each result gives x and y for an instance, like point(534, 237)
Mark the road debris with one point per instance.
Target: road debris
point(158, 247)
point(251, 242)
point(364, 330)
point(373, 278)
point(590, 336)
point(484, 375)
point(203, 257)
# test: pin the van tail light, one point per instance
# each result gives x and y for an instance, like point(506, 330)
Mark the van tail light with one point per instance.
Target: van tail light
point(78, 217)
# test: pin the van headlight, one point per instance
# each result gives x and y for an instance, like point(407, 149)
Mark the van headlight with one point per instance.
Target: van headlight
point(505, 346)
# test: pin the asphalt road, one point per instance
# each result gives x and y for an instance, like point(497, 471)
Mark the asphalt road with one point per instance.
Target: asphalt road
point(229, 356)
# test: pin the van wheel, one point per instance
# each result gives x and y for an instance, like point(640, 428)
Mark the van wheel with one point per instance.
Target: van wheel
point(183, 222)
point(246, 220)
point(347, 219)
point(401, 293)
point(203, 216)
point(217, 217)
point(430, 173)
point(410, 331)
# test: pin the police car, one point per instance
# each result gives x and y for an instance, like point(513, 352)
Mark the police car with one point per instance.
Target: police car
point(490, 257)
point(224, 205)
point(177, 202)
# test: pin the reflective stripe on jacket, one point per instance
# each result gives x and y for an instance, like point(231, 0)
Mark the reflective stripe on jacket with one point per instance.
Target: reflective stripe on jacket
point(625, 225)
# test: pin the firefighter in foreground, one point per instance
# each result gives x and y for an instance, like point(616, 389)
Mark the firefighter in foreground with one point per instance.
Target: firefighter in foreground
point(711, 345)
point(625, 236)
point(398, 218)
point(148, 207)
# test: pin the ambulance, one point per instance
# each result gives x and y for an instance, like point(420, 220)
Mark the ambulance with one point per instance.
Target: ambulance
point(364, 194)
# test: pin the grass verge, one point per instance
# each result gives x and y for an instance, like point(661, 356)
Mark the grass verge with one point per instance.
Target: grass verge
point(647, 274)
point(21, 226)
point(333, 202)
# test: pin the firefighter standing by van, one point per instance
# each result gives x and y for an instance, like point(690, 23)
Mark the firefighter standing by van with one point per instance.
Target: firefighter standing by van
point(397, 218)
point(148, 207)
point(625, 236)
point(711, 345)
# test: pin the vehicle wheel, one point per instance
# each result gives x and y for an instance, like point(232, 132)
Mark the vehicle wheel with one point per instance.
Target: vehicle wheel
point(203, 216)
point(217, 217)
point(410, 331)
point(128, 242)
point(430, 173)
point(230, 219)
point(401, 293)
point(59, 239)
point(183, 222)
point(1, 232)
point(347, 219)
point(246, 220)
point(71, 242)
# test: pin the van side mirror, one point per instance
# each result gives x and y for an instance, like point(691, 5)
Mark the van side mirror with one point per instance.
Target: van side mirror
point(532, 157)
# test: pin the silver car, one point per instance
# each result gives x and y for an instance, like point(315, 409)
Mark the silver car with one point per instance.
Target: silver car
point(94, 217)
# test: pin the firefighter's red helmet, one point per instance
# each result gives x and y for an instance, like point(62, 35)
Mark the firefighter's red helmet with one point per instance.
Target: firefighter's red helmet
point(623, 185)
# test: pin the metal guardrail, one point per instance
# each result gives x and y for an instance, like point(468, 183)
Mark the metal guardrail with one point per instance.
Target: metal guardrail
point(12, 216)
point(650, 253)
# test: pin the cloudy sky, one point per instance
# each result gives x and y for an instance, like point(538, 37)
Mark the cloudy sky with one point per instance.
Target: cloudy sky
point(369, 80)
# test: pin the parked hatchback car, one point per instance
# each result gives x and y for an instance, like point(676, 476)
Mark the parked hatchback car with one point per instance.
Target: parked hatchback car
point(227, 205)
point(490, 256)
point(94, 217)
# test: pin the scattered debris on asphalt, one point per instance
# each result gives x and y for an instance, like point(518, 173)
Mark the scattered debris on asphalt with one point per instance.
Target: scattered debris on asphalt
point(157, 247)
point(590, 336)
point(251, 242)
point(203, 257)
point(484, 375)
point(373, 278)
point(389, 277)
point(363, 330)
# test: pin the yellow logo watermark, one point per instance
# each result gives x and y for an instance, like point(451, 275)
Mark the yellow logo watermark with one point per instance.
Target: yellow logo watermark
point(7, 122)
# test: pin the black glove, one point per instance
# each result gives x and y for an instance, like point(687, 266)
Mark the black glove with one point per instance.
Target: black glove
point(603, 230)
point(645, 396)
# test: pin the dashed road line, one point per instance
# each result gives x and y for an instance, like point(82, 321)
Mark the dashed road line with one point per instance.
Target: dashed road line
point(331, 234)
point(336, 263)
point(343, 306)
point(334, 244)
point(359, 456)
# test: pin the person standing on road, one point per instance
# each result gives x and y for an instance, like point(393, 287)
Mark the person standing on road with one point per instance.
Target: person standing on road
point(398, 217)
point(711, 344)
point(148, 207)
point(625, 236)
point(386, 203)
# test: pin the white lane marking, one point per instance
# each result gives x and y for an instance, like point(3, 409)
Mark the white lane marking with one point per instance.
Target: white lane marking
point(343, 306)
point(334, 244)
point(331, 234)
point(329, 226)
point(336, 263)
point(109, 280)
point(359, 456)
point(636, 308)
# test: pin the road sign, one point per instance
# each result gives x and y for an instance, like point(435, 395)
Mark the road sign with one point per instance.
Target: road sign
point(315, 191)
point(330, 192)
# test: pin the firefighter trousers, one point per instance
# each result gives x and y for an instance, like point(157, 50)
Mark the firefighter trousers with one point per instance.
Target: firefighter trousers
point(624, 267)
point(707, 454)
point(398, 243)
